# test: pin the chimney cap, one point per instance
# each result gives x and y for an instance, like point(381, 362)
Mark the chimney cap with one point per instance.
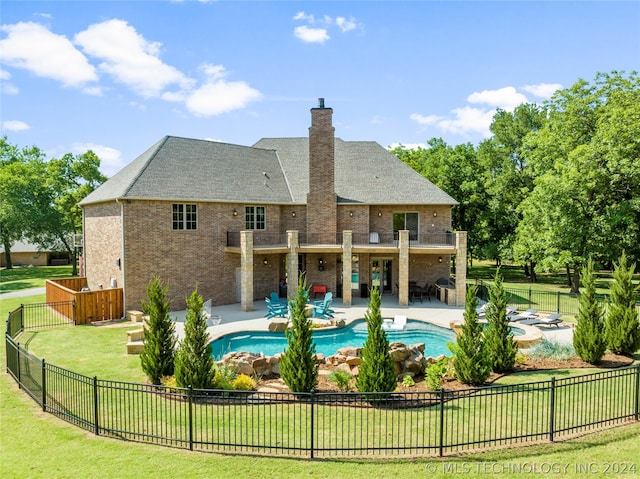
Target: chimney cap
point(320, 102)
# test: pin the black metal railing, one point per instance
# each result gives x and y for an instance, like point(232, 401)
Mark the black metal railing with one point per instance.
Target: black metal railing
point(373, 238)
point(40, 316)
point(331, 424)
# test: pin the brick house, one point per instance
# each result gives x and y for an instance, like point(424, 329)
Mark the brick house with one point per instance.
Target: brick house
point(234, 220)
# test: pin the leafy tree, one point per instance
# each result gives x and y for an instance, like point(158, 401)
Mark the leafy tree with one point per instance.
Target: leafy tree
point(470, 360)
point(376, 372)
point(586, 176)
point(501, 348)
point(193, 362)
point(588, 337)
point(298, 365)
point(157, 357)
point(622, 327)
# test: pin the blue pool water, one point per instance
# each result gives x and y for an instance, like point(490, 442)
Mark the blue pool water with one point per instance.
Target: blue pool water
point(329, 340)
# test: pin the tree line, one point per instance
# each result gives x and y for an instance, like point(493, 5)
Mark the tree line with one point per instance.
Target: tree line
point(554, 185)
point(39, 197)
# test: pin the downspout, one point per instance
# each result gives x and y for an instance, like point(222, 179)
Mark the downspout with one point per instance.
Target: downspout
point(122, 260)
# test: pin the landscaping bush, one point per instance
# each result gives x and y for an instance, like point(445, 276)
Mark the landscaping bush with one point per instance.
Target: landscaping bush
point(376, 372)
point(157, 356)
point(622, 328)
point(436, 373)
point(470, 353)
point(551, 350)
point(501, 348)
point(588, 337)
point(298, 366)
point(223, 378)
point(194, 364)
point(244, 383)
point(342, 379)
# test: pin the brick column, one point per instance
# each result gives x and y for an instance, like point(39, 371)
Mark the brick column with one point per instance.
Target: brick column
point(347, 242)
point(461, 267)
point(403, 268)
point(246, 270)
point(292, 264)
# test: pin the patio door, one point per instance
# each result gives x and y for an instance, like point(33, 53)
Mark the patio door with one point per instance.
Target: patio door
point(381, 275)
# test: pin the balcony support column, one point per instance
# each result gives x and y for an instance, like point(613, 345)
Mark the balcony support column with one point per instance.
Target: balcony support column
point(403, 268)
point(347, 243)
point(246, 270)
point(293, 243)
point(461, 267)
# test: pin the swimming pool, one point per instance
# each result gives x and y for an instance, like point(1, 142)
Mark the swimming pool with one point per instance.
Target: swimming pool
point(329, 340)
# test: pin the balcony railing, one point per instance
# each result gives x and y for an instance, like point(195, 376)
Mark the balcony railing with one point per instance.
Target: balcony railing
point(373, 238)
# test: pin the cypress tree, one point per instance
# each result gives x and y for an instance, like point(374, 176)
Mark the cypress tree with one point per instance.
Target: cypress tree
point(501, 348)
point(588, 338)
point(470, 360)
point(159, 333)
point(376, 372)
point(622, 327)
point(194, 363)
point(298, 365)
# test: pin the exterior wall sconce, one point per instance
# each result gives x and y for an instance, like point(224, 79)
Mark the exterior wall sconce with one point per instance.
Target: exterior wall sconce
point(435, 213)
point(293, 214)
point(235, 212)
point(320, 264)
point(439, 259)
point(266, 261)
point(379, 214)
point(118, 262)
point(351, 213)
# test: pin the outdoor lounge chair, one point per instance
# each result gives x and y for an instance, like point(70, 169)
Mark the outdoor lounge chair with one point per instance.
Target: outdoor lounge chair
point(528, 314)
point(398, 323)
point(551, 320)
point(275, 299)
point(275, 310)
point(322, 309)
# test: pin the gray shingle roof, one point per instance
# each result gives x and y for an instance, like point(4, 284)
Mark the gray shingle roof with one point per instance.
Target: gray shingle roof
point(274, 170)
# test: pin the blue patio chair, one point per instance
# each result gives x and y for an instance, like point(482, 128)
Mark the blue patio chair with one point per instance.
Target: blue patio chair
point(275, 310)
point(323, 309)
point(275, 299)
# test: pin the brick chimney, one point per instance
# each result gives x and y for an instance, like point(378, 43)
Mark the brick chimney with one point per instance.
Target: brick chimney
point(322, 199)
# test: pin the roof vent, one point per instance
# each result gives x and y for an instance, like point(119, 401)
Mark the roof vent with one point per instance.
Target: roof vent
point(320, 102)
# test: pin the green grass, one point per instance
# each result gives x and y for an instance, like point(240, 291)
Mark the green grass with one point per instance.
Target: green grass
point(34, 277)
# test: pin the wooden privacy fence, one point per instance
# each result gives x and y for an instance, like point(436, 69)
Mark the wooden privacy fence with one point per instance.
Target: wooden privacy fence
point(96, 305)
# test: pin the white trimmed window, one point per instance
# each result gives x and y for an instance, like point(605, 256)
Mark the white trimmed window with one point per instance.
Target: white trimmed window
point(255, 218)
point(185, 217)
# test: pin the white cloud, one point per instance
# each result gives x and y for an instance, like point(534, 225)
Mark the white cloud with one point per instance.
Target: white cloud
point(304, 16)
point(542, 90)
point(426, 120)
point(14, 125)
point(468, 120)
point(33, 47)
point(506, 98)
point(111, 160)
point(6, 86)
point(311, 35)
point(346, 25)
point(129, 58)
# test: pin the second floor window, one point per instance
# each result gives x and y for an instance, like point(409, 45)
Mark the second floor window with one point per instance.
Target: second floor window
point(406, 221)
point(255, 218)
point(185, 217)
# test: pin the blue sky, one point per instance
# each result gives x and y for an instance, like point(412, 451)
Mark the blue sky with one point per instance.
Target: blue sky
point(116, 76)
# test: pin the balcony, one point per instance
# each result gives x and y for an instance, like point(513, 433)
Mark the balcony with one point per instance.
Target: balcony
point(362, 241)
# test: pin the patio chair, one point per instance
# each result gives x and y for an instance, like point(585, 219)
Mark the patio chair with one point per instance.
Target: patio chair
point(322, 309)
point(275, 310)
point(551, 320)
point(275, 298)
point(528, 314)
point(398, 324)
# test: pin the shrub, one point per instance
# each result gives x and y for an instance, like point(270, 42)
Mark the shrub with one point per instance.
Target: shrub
point(470, 360)
point(501, 348)
point(244, 383)
point(298, 366)
point(223, 378)
point(342, 379)
point(552, 350)
point(622, 328)
point(408, 381)
point(194, 363)
point(588, 337)
point(159, 333)
point(435, 373)
point(376, 372)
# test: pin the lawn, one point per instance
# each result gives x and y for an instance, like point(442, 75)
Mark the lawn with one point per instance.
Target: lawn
point(34, 444)
point(31, 277)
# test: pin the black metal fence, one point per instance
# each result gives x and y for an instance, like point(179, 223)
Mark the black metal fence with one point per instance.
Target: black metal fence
point(546, 301)
point(40, 316)
point(319, 425)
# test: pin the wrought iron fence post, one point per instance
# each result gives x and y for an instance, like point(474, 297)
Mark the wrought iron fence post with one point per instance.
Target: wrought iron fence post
point(96, 425)
point(73, 311)
point(18, 365)
point(552, 407)
point(529, 297)
point(441, 438)
point(190, 394)
point(44, 388)
point(313, 420)
point(637, 392)
point(558, 302)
